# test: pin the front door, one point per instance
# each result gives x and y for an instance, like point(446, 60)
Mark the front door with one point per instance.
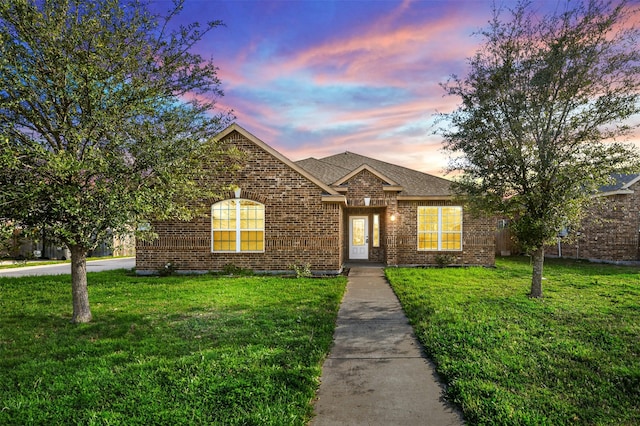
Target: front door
point(359, 237)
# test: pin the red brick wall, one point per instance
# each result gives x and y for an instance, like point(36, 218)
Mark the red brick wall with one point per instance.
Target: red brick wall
point(399, 243)
point(365, 184)
point(610, 231)
point(299, 227)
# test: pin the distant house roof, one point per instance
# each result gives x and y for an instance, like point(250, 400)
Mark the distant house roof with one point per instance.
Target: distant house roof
point(621, 185)
point(336, 169)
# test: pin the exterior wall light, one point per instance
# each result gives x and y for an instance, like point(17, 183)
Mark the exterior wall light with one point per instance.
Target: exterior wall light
point(367, 201)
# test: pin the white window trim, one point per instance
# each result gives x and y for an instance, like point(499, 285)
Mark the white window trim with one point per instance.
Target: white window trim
point(440, 232)
point(237, 229)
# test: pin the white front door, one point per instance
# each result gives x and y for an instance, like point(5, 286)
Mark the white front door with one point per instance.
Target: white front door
point(359, 237)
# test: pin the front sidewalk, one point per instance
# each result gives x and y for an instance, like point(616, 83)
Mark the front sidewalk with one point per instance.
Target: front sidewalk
point(376, 373)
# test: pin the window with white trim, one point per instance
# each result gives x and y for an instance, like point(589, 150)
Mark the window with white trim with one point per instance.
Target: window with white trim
point(237, 226)
point(440, 228)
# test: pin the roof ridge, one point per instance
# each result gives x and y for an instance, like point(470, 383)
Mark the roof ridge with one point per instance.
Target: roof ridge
point(321, 160)
point(386, 163)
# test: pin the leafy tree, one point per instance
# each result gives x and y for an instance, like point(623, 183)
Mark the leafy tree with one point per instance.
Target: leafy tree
point(543, 109)
point(105, 120)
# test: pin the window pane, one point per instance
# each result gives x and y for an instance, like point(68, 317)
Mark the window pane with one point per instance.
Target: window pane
point(251, 241)
point(224, 241)
point(427, 219)
point(251, 215)
point(428, 241)
point(358, 232)
point(451, 241)
point(451, 219)
point(223, 215)
point(376, 230)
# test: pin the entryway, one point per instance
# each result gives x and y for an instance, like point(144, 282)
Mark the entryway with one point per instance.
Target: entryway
point(358, 237)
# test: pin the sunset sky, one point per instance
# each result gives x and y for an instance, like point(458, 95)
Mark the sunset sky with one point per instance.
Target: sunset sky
point(317, 77)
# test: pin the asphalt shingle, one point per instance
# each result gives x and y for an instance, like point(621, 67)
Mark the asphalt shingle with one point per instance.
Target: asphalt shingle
point(333, 168)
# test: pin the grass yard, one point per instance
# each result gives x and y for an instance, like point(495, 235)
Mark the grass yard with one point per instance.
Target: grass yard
point(572, 358)
point(171, 351)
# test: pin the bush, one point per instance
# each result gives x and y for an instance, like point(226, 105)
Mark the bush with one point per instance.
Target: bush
point(302, 270)
point(168, 269)
point(231, 269)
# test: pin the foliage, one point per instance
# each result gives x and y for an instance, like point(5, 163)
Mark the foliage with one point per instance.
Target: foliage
point(568, 359)
point(232, 270)
point(105, 120)
point(444, 260)
point(302, 270)
point(541, 97)
point(176, 350)
point(167, 270)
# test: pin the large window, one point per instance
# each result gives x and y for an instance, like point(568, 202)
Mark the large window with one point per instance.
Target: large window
point(440, 228)
point(237, 226)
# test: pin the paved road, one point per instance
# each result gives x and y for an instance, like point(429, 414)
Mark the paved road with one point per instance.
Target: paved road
point(65, 268)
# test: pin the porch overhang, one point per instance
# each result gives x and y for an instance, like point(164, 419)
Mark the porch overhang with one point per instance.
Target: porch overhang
point(392, 188)
point(330, 198)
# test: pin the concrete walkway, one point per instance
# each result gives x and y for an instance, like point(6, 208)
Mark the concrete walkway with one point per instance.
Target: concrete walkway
point(376, 373)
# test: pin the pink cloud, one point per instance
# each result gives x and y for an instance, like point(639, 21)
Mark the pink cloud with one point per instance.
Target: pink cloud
point(382, 55)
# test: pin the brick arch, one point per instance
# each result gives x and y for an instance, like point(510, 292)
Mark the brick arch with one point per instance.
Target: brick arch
point(245, 194)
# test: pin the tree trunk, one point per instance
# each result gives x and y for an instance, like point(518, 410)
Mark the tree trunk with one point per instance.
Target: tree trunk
point(81, 310)
point(536, 279)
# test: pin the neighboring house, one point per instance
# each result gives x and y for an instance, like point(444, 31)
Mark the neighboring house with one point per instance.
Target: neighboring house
point(324, 212)
point(610, 230)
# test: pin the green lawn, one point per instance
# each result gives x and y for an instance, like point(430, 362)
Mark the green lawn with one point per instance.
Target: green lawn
point(570, 358)
point(173, 350)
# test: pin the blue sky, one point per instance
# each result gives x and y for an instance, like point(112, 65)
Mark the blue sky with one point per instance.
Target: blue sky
point(316, 77)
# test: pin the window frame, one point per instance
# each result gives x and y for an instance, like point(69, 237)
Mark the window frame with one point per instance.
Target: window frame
point(237, 230)
point(439, 231)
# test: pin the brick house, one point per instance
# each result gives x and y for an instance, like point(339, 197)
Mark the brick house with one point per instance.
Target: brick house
point(325, 212)
point(611, 229)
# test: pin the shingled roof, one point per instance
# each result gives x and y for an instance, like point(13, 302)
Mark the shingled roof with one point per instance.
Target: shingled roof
point(621, 184)
point(332, 169)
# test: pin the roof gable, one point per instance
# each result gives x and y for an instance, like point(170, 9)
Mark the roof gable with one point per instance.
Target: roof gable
point(262, 145)
point(411, 183)
point(369, 169)
point(622, 184)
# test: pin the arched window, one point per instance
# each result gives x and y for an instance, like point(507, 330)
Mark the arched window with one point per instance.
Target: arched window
point(237, 226)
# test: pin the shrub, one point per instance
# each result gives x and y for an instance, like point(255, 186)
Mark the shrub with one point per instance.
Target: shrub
point(168, 269)
point(302, 270)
